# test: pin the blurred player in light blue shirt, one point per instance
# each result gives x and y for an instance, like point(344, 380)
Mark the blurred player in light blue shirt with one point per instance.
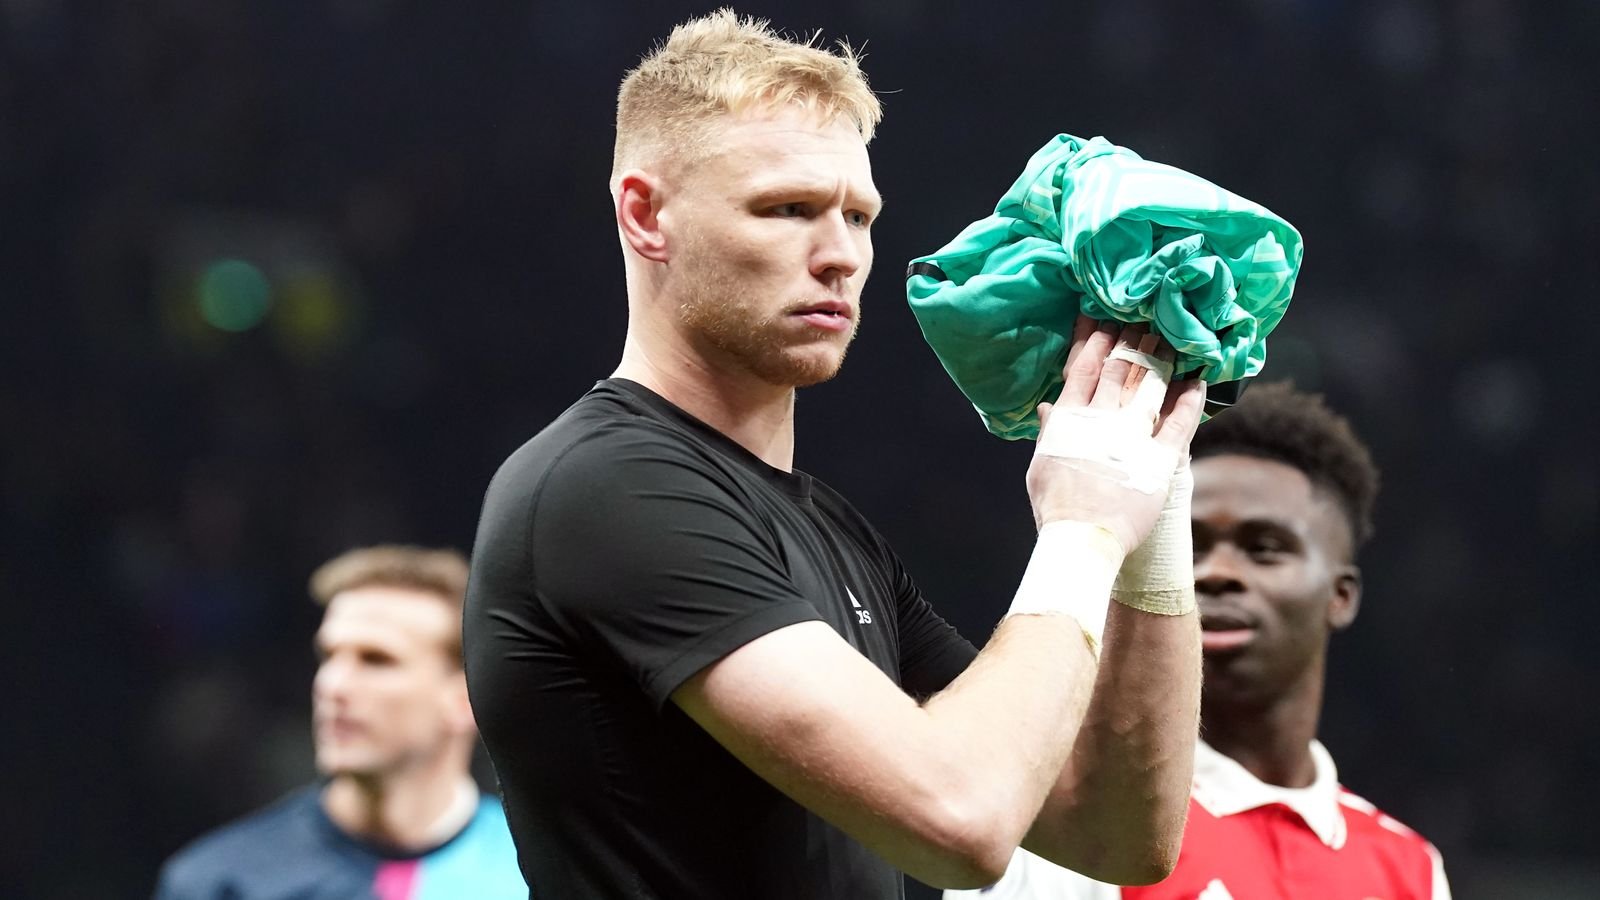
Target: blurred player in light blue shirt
point(397, 815)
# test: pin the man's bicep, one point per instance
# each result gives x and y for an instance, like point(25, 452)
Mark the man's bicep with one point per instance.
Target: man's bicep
point(814, 718)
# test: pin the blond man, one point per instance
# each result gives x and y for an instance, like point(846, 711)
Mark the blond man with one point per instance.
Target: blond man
point(397, 815)
point(699, 672)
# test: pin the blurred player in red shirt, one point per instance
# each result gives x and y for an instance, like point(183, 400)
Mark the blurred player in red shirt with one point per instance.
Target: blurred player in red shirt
point(1283, 499)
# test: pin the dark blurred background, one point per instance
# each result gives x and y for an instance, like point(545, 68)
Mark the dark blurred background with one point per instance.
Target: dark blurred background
point(282, 277)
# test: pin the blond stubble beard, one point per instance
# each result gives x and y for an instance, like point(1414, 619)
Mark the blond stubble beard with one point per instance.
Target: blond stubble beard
point(718, 318)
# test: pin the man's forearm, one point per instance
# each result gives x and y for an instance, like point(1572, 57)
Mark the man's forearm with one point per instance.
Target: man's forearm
point(1014, 715)
point(1117, 811)
point(1005, 728)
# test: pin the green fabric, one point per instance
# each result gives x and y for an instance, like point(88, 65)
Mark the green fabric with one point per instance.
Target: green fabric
point(1092, 227)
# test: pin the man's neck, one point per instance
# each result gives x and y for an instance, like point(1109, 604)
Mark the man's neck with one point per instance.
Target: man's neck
point(1273, 743)
point(754, 414)
point(407, 813)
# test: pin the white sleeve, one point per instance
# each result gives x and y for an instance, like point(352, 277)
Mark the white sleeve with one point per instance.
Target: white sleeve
point(1441, 886)
point(1031, 877)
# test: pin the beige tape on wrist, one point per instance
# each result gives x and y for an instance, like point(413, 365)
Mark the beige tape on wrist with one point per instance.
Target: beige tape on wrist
point(1070, 573)
point(1158, 576)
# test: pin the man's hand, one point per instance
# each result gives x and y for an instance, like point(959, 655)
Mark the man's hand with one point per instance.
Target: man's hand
point(1110, 444)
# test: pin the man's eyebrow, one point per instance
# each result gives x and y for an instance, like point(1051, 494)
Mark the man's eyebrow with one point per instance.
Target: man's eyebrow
point(1252, 523)
point(773, 189)
point(1269, 524)
point(779, 190)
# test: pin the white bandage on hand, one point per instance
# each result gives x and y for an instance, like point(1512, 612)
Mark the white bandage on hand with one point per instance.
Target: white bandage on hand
point(1126, 453)
point(1126, 450)
point(1160, 368)
point(1158, 576)
point(1071, 573)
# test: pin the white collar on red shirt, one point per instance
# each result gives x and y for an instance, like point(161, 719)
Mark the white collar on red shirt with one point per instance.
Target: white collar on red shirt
point(1225, 788)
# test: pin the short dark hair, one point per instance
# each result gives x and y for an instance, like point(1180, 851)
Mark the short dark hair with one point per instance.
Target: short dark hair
point(1275, 421)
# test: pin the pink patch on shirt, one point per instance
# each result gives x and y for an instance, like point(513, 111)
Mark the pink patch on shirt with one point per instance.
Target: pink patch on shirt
point(395, 880)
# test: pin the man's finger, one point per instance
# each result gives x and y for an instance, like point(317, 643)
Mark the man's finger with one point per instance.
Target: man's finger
point(1145, 386)
point(1150, 344)
point(1081, 329)
point(1083, 371)
point(1181, 413)
point(1114, 372)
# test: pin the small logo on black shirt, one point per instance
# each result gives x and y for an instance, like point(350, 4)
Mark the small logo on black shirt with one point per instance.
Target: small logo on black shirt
point(863, 616)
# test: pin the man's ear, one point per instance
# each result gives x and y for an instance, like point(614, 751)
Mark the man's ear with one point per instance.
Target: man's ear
point(1346, 600)
point(638, 198)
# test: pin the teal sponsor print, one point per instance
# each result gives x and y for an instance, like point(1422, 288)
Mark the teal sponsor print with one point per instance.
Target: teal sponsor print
point(1092, 227)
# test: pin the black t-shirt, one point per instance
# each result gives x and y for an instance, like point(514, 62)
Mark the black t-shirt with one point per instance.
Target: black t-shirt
point(622, 550)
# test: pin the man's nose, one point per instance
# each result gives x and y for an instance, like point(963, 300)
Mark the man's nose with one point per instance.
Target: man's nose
point(1218, 571)
point(333, 674)
point(841, 249)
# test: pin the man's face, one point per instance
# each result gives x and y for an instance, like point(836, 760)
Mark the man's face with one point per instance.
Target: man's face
point(770, 244)
point(1272, 577)
point(386, 695)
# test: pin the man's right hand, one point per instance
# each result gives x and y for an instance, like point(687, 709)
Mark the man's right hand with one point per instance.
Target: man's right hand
point(1106, 454)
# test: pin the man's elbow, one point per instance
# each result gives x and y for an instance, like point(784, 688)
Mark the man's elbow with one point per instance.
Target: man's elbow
point(962, 875)
point(977, 868)
point(1147, 868)
point(1138, 863)
point(1117, 855)
point(971, 849)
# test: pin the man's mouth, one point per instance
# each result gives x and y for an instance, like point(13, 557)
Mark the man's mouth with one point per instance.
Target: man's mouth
point(339, 728)
point(1225, 632)
point(830, 315)
point(825, 307)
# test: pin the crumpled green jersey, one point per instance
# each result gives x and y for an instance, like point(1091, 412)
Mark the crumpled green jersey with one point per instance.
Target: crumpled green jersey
point(1093, 227)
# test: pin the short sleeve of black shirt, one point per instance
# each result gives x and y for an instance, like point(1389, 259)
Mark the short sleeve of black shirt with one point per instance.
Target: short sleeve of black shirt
point(647, 551)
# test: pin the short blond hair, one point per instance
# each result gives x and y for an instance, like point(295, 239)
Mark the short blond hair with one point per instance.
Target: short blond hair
point(721, 64)
point(441, 572)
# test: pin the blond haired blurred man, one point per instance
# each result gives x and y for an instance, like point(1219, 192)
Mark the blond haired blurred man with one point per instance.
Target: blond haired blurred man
point(699, 672)
point(397, 816)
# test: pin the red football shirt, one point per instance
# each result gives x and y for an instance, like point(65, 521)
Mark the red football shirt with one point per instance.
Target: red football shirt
point(1247, 840)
